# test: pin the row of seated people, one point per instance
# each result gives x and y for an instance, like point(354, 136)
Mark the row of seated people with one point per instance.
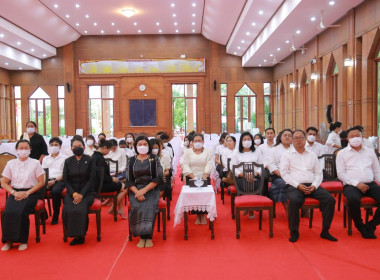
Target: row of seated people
point(291, 182)
point(78, 175)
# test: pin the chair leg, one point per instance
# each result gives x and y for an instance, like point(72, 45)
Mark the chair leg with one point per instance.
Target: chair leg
point(222, 191)
point(168, 207)
point(212, 230)
point(233, 205)
point(339, 200)
point(49, 206)
point(260, 219)
point(98, 226)
point(311, 218)
point(367, 213)
point(37, 219)
point(159, 220)
point(344, 216)
point(237, 220)
point(271, 222)
point(349, 222)
point(163, 224)
point(274, 209)
point(129, 229)
point(115, 208)
point(185, 218)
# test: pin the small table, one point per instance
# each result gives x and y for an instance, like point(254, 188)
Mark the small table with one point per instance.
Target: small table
point(196, 199)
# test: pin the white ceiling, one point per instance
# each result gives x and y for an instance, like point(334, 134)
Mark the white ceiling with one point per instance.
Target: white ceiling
point(31, 30)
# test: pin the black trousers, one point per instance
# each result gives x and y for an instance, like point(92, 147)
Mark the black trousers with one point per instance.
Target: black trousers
point(354, 196)
point(297, 198)
point(15, 220)
point(56, 195)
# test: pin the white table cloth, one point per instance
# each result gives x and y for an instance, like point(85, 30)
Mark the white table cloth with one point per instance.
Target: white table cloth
point(201, 199)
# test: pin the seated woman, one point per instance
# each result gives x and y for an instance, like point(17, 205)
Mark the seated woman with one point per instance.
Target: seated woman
point(110, 184)
point(217, 173)
point(130, 139)
point(144, 174)
point(118, 155)
point(278, 187)
point(37, 142)
point(128, 152)
point(165, 162)
point(90, 145)
point(79, 177)
point(197, 164)
point(23, 195)
point(227, 154)
point(258, 139)
point(247, 153)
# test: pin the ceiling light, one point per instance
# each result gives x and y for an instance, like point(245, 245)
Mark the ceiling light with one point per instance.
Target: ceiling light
point(242, 41)
point(235, 53)
point(292, 85)
point(287, 41)
point(348, 62)
point(1, 35)
point(128, 12)
point(193, 15)
point(193, 30)
point(174, 15)
point(112, 23)
point(253, 23)
point(298, 31)
point(95, 24)
point(32, 50)
point(157, 23)
point(313, 76)
point(67, 15)
point(159, 31)
point(139, 31)
point(194, 4)
point(278, 49)
point(87, 16)
point(6, 63)
point(193, 23)
point(77, 24)
point(20, 68)
point(19, 43)
point(172, 5)
point(102, 31)
point(55, 6)
point(271, 55)
point(261, 12)
point(247, 33)
point(265, 60)
point(77, 5)
point(85, 31)
point(312, 18)
point(135, 23)
point(259, 65)
point(176, 23)
point(238, 48)
point(176, 31)
point(44, 55)
point(332, 3)
point(118, 31)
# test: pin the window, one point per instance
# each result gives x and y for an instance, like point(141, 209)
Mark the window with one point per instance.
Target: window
point(40, 111)
point(17, 92)
point(142, 112)
point(61, 109)
point(245, 109)
point(5, 105)
point(184, 107)
point(223, 106)
point(267, 104)
point(334, 92)
point(100, 106)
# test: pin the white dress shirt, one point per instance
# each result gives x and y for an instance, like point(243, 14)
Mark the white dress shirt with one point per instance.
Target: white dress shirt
point(333, 139)
point(265, 152)
point(129, 152)
point(354, 167)
point(166, 161)
point(226, 154)
point(198, 164)
point(316, 148)
point(23, 174)
point(89, 151)
point(275, 157)
point(238, 157)
point(299, 168)
point(55, 165)
point(120, 157)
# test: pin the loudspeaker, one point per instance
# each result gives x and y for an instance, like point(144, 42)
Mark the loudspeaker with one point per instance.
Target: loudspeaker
point(270, 118)
point(214, 84)
point(68, 87)
point(328, 113)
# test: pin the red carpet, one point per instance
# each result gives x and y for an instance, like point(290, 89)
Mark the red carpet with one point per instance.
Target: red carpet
point(255, 255)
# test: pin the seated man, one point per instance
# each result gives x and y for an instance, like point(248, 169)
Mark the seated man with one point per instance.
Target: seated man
point(311, 144)
point(357, 167)
point(54, 162)
point(302, 174)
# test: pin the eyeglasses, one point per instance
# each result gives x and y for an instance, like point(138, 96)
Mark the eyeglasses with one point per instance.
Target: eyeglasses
point(299, 138)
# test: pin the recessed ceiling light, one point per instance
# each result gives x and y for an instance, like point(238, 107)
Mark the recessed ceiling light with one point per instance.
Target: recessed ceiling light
point(175, 23)
point(55, 6)
point(278, 49)
point(247, 33)
point(235, 53)
point(128, 12)
point(265, 60)
point(67, 15)
point(298, 31)
point(44, 55)
point(176, 30)
point(157, 23)
point(172, 5)
point(193, 15)
point(95, 24)
point(287, 41)
point(85, 31)
point(193, 23)
point(261, 12)
point(139, 31)
point(112, 23)
point(135, 23)
point(253, 23)
point(271, 55)
point(87, 16)
point(77, 24)
point(174, 15)
point(20, 68)
point(102, 31)
point(238, 48)
point(77, 5)
point(118, 31)
point(194, 4)
point(242, 41)
point(32, 50)
point(1, 35)
point(6, 63)
point(19, 43)
point(312, 18)
point(332, 3)
point(259, 65)
point(159, 31)
point(193, 30)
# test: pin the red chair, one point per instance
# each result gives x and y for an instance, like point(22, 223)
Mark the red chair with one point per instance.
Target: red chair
point(366, 202)
point(250, 199)
point(311, 204)
point(232, 192)
point(111, 195)
point(334, 187)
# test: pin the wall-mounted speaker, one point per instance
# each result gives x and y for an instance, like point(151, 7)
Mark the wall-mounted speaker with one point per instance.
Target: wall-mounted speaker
point(328, 113)
point(68, 87)
point(270, 118)
point(214, 84)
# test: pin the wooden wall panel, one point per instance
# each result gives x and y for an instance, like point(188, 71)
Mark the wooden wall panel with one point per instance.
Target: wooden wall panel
point(4, 76)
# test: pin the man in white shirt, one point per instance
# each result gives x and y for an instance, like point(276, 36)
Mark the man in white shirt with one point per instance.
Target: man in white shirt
point(265, 148)
point(55, 162)
point(302, 174)
point(358, 167)
point(311, 145)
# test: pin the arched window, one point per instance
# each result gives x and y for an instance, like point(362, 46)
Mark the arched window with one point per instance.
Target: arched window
point(40, 111)
point(267, 103)
point(245, 109)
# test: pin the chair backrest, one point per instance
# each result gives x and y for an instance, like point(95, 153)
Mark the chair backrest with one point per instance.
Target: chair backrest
point(249, 172)
point(228, 164)
point(4, 158)
point(329, 171)
point(100, 173)
point(108, 160)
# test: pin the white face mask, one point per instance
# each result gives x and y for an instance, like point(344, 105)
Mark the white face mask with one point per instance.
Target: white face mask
point(155, 151)
point(165, 145)
point(311, 138)
point(30, 130)
point(186, 143)
point(257, 141)
point(142, 150)
point(90, 142)
point(54, 149)
point(23, 153)
point(198, 145)
point(247, 144)
point(355, 141)
point(129, 139)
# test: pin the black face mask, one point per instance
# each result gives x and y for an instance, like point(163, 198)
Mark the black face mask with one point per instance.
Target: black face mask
point(78, 151)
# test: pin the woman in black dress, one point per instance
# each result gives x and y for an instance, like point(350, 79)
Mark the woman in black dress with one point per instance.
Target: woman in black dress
point(39, 148)
point(110, 184)
point(144, 174)
point(79, 177)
